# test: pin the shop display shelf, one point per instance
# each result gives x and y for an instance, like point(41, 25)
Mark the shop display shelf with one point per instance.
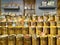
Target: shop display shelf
point(47, 7)
point(11, 8)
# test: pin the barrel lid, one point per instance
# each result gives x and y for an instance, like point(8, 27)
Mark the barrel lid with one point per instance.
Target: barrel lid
point(13, 35)
point(2, 36)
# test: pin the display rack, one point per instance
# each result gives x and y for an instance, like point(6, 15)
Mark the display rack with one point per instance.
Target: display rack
point(11, 8)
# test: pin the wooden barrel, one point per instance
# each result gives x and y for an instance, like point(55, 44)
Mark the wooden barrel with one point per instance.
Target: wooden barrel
point(4, 40)
point(11, 30)
point(19, 39)
point(18, 24)
point(26, 18)
point(40, 18)
point(27, 23)
point(34, 18)
point(52, 40)
point(53, 30)
point(18, 30)
point(35, 40)
point(3, 23)
point(53, 23)
point(11, 40)
point(46, 30)
point(32, 30)
point(43, 40)
point(46, 23)
point(39, 30)
point(4, 30)
point(33, 23)
point(19, 18)
point(0, 30)
point(8, 18)
point(27, 40)
point(58, 23)
point(40, 24)
point(0, 23)
point(57, 18)
point(58, 40)
point(58, 30)
point(25, 30)
point(9, 23)
point(52, 17)
point(46, 17)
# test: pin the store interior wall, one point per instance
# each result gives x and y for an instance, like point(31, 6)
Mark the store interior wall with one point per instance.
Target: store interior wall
point(20, 2)
point(37, 10)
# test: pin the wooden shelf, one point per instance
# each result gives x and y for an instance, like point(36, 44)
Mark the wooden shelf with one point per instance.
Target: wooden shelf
point(11, 8)
point(47, 7)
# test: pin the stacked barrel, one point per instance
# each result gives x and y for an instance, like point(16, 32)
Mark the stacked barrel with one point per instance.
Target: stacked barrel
point(30, 30)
